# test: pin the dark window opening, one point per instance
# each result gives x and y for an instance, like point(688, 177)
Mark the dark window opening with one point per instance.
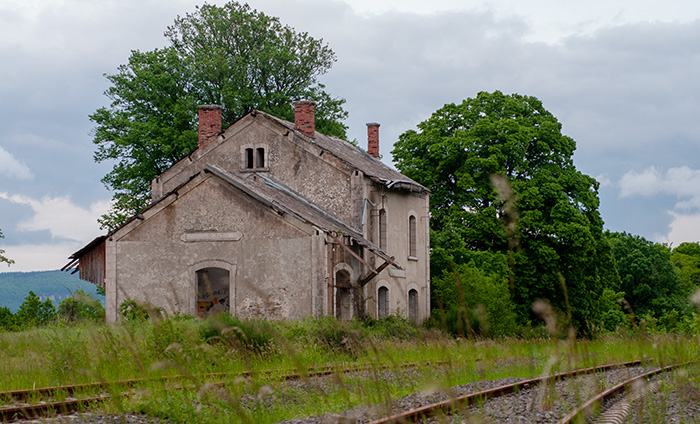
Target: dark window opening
point(249, 158)
point(260, 157)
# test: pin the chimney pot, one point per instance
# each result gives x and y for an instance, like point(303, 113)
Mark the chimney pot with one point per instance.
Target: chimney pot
point(373, 139)
point(304, 117)
point(209, 123)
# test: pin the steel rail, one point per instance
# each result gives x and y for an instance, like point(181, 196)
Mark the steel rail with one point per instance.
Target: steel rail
point(591, 406)
point(449, 406)
point(13, 413)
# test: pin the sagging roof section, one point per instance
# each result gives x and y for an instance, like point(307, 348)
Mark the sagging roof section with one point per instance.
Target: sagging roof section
point(285, 200)
point(373, 168)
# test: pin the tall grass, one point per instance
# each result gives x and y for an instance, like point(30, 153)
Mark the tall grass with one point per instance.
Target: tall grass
point(63, 354)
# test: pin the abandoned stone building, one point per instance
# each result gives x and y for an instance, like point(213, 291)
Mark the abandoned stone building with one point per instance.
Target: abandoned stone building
point(271, 219)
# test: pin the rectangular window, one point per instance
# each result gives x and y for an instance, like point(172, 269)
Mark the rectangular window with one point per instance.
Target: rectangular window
point(382, 228)
point(412, 242)
point(260, 157)
point(249, 158)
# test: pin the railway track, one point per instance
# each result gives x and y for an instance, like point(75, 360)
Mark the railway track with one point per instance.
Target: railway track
point(498, 404)
point(45, 402)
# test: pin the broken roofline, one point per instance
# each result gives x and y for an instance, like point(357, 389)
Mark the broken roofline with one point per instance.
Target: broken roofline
point(332, 224)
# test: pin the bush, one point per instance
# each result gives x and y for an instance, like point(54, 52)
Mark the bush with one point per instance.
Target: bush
point(80, 307)
point(253, 336)
point(392, 327)
point(131, 310)
point(338, 336)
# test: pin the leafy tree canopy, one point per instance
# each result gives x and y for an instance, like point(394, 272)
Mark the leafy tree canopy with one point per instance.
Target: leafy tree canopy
point(503, 180)
point(650, 282)
point(3, 258)
point(230, 55)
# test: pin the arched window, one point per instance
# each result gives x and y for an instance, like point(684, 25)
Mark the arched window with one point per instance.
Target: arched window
point(249, 158)
point(412, 242)
point(260, 157)
point(382, 228)
point(382, 302)
point(413, 305)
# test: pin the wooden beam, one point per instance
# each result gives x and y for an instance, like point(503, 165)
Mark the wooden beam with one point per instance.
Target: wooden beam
point(355, 255)
point(376, 272)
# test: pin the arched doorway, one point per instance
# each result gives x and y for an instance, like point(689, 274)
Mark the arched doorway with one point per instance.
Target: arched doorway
point(213, 291)
point(343, 295)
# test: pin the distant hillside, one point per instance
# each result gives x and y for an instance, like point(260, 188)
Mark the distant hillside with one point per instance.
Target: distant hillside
point(54, 285)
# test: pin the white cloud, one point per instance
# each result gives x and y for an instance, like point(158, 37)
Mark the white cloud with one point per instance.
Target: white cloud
point(38, 257)
point(61, 217)
point(13, 168)
point(681, 182)
point(683, 228)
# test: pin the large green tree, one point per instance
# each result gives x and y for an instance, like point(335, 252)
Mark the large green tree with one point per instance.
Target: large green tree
point(503, 180)
point(229, 55)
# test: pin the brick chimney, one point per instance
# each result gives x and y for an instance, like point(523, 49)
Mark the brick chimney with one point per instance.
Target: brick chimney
point(373, 139)
point(209, 123)
point(304, 117)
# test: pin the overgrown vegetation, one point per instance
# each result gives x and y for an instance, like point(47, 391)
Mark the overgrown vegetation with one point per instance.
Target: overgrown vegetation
point(84, 351)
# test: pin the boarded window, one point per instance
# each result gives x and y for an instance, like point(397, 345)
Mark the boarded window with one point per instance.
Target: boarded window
point(260, 157)
point(413, 305)
point(382, 302)
point(382, 228)
point(412, 247)
point(249, 158)
point(343, 295)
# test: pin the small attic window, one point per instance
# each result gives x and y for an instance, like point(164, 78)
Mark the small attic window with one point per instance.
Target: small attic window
point(254, 157)
point(249, 158)
point(260, 157)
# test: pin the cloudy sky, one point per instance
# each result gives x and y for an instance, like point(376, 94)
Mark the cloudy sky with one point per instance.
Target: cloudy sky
point(621, 76)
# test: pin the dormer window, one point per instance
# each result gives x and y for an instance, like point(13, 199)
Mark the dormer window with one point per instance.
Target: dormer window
point(253, 157)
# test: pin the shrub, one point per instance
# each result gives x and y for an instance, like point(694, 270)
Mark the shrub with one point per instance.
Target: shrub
point(253, 336)
point(131, 310)
point(392, 327)
point(81, 306)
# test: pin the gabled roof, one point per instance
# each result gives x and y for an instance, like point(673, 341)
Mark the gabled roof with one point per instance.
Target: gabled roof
point(271, 194)
point(357, 158)
point(282, 199)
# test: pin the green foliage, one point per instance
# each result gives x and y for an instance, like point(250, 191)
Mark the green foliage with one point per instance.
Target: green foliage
point(7, 319)
point(503, 180)
point(229, 55)
point(338, 336)
point(613, 315)
point(252, 336)
point(474, 298)
point(686, 259)
point(648, 278)
point(81, 306)
point(392, 327)
point(33, 312)
point(4, 258)
point(131, 310)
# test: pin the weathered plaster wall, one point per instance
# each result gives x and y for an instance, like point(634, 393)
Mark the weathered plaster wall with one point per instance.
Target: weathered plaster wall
point(289, 160)
point(271, 258)
point(399, 205)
